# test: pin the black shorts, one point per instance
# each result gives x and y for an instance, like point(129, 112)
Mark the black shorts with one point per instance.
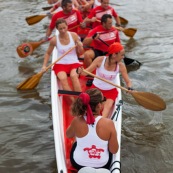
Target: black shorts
point(78, 167)
point(98, 53)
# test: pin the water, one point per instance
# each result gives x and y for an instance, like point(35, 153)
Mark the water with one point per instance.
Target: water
point(26, 139)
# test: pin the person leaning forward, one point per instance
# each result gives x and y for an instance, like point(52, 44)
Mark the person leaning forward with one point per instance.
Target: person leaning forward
point(107, 33)
point(88, 127)
point(97, 12)
point(108, 67)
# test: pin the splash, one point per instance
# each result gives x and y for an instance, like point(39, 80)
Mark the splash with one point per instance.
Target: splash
point(157, 120)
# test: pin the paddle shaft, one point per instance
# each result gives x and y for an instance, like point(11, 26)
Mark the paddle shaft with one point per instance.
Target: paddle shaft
point(93, 75)
point(37, 44)
point(49, 7)
point(33, 81)
point(60, 58)
point(147, 100)
point(26, 49)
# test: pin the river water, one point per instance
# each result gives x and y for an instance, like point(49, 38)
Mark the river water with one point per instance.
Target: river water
point(26, 138)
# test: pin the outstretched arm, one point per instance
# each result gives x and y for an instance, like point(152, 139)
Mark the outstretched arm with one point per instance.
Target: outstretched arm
point(125, 76)
point(48, 53)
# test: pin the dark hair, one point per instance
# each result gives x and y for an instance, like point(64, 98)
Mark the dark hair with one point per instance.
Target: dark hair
point(59, 21)
point(78, 108)
point(65, 2)
point(105, 17)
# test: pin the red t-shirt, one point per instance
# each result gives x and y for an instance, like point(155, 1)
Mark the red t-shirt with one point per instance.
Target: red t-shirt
point(73, 19)
point(99, 11)
point(109, 36)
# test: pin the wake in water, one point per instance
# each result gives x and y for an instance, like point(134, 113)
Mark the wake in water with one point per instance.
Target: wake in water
point(157, 120)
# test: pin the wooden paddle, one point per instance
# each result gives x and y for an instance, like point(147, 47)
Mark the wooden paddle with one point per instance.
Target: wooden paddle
point(127, 61)
point(49, 7)
point(123, 20)
point(33, 81)
point(147, 100)
point(130, 32)
point(26, 49)
point(31, 20)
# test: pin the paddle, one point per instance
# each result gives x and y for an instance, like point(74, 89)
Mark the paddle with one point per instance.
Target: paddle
point(147, 100)
point(31, 20)
point(123, 20)
point(26, 49)
point(33, 81)
point(130, 32)
point(127, 61)
point(49, 7)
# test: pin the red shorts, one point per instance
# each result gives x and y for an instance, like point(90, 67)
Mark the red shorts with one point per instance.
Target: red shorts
point(66, 68)
point(109, 94)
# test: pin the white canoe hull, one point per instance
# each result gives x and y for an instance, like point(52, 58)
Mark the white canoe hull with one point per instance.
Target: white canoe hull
point(57, 116)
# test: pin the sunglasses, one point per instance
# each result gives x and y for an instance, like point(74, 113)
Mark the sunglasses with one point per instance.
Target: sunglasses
point(104, 99)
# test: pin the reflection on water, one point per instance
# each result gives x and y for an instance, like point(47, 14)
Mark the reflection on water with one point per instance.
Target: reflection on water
point(26, 139)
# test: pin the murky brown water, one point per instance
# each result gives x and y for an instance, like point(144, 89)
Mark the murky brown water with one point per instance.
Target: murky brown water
point(26, 138)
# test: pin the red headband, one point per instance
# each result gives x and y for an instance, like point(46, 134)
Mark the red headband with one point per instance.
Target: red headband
point(85, 100)
point(115, 48)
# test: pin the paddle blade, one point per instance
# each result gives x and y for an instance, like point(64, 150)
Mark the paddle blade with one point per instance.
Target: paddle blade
point(129, 61)
point(30, 83)
point(27, 49)
point(149, 100)
point(47, 8)
point(130, 32)
point(123, 20)
point(31, 20)
point(24, 50)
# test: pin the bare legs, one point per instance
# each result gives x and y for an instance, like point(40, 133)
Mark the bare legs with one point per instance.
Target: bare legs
point(62, 76)
point(75, 80)
point(88, 57)
point(107, 108)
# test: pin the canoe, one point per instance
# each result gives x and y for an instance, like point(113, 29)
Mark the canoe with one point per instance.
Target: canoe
point(61, 119)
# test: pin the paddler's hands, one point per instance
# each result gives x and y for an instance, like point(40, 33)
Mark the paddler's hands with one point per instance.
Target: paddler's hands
point(43, 69)
point(79, 44)
point(94, 19)
point(119, 27)
point(49, 14)
point(79, 70)
point(95, 36)
point(83, 25)
point(130, 90)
